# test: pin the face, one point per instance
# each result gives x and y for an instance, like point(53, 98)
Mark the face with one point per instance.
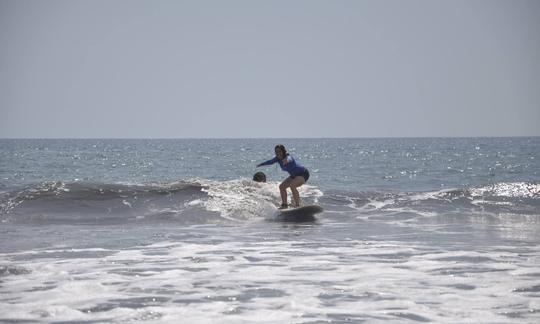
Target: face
point(279, 153)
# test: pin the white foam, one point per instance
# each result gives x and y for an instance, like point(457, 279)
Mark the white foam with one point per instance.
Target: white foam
point(269, 281)
point(513, 189)
point(244, 199)
point(193, 203)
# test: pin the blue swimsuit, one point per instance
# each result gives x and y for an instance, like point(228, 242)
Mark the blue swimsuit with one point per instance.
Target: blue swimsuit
point(293, 168)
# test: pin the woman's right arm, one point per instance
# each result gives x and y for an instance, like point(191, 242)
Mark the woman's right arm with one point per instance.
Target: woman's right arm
point(269, 162)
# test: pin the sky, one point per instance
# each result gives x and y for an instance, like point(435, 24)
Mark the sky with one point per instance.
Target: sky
point(269, 69)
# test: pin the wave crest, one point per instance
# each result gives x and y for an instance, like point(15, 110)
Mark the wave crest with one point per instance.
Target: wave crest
point(191, 201)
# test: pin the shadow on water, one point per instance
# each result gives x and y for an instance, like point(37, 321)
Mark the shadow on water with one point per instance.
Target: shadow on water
point(303, 218)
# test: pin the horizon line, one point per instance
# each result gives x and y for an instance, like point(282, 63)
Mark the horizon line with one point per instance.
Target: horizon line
point(258, 138)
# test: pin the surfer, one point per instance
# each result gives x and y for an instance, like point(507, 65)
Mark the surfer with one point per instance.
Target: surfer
point(298, 175)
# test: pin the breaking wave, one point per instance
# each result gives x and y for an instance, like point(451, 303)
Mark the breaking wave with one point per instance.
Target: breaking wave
point(516, 199)
point(196, 201)
point(201, 201)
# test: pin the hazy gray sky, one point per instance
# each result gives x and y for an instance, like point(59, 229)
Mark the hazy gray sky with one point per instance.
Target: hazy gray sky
point(269, 68)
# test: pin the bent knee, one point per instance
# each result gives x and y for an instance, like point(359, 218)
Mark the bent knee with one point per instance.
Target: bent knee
point(295, 187)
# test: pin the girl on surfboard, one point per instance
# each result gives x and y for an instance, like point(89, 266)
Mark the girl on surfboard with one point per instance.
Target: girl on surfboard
point(298, 175)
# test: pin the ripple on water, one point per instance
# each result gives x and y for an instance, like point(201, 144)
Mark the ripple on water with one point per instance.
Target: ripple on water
point(131, 303)
point(9, 270)
point(535, 288)
point(411, 316)
point(462, 287)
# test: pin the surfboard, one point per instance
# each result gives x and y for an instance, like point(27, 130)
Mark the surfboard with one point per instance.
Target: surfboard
point(299, 214)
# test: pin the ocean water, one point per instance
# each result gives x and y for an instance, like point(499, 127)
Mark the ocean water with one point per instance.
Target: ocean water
point(174, 231)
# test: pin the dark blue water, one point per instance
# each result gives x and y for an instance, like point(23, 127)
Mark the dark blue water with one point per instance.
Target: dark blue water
point(426, 229)
point(349, 164)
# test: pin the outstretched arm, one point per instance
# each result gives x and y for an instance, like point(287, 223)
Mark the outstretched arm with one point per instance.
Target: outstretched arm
point(269, 162)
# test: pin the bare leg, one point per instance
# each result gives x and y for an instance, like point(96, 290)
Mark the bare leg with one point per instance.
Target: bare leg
point(283, 190)
point(295, 183)
point(296, 197)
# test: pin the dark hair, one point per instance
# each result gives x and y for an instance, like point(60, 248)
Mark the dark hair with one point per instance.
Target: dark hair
point(259, 177)
point(282, 149)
